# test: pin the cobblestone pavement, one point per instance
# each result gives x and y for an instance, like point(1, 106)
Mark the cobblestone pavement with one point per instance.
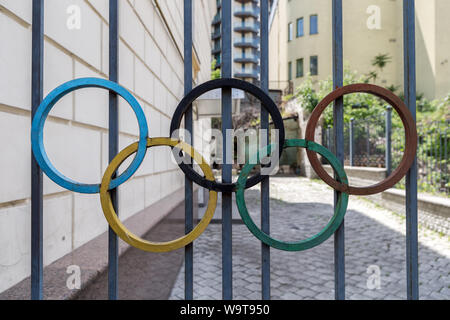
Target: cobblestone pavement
point(299, 209)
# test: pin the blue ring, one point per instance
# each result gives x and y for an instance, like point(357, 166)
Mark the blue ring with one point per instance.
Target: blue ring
point(37, 133)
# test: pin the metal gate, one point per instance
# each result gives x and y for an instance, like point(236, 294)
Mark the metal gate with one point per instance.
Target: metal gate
point(227, 190)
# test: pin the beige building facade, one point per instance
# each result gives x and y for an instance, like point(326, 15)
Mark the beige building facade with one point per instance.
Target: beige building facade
point(76, 134)
point(370, 28)
point(278, 78)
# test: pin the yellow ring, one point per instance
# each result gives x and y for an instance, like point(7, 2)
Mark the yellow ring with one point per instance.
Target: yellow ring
point(120, 229)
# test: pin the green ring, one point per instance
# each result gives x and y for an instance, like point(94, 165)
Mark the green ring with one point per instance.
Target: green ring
point(326, 232)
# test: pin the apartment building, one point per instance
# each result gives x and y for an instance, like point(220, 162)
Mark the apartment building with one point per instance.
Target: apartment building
point(371, 28)
point(246, 40)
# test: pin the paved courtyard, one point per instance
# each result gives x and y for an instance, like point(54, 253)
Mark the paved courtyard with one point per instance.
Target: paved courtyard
point(299, 209)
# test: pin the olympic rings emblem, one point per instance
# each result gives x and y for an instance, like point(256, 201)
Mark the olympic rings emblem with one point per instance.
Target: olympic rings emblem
point(410, 137)
point(208, 181)
point(325, 233)
point(118, 226)
point(266, 102)
point(37, 133)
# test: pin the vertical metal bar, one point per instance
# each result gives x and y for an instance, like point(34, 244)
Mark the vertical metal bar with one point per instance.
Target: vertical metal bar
point(412, 267)
point(427, 155)
point(324, 136)
point(388, 140)
point(227, 240)
point(265, 184)
point(368, 143)
point(338, 112)
point(113, 243)
point(329, 138)
point(423, 153)
point(435, 157)
point(37, 78)
point(430, 155)
point(445, 157)
point(352, 142)
point(188, 185)
point(441, 177)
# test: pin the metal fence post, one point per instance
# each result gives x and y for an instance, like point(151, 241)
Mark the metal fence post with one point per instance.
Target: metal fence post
point(37, 76)
point(227, 123)
point(338, 115)
point(329, 138)
point(189, 189)
point(441, 173)
point(412, 265)
point(352, 142)
point(265, 184)
point(446, 158)
point(368, 143)
point(388, 140)
point(113, 241)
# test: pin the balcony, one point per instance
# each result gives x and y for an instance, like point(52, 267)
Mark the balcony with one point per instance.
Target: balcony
point(247, 1)
point(247, 58)
point(216, 49)
point(247, 12)
point(216, 34)
point(247, 27)
point(217, 19)
point(247, 43)
point(219, 4)
point(247, 73)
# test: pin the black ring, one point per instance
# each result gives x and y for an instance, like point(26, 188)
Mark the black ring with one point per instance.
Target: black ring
point(266, 102)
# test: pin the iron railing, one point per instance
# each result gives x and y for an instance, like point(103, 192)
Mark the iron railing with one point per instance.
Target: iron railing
point(432, 155)
point(373, 142)
point(227, 255)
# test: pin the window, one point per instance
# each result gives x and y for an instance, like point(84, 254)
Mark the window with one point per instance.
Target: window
point(299, 68)
point(314, 65)
point(290, 31)
point(313, 24)
point(290, 71)
point(300, 28)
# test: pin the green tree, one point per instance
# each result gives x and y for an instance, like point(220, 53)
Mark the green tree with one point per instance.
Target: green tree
point(373, 75)
point(393, 88)
point(358, 105)
point(380, 61)
point(307, 95)
point(216, 73)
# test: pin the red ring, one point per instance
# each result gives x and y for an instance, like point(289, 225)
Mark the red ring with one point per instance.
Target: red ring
point(410, 134)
